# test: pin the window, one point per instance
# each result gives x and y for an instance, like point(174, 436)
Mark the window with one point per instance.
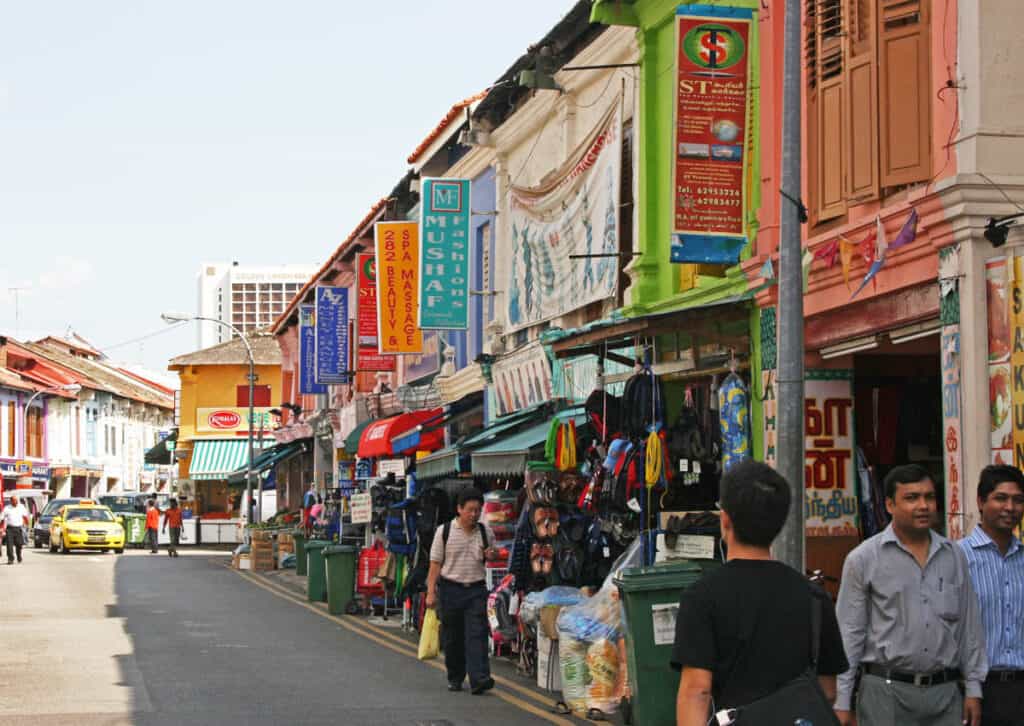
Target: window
point(260, 396)
point(625, 211)
point(78, 432)
point(12, 426)
point(34, 433)
point(868, 100)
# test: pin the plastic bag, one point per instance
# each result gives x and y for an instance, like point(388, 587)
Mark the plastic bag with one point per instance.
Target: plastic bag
point(430, 636)
point(556, 595)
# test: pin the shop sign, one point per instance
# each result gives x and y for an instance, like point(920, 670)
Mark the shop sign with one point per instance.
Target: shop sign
point(368, 357)
point(361, 508)
point(710, 145)
point(574, 214)
point(332, 332)
point(444, 254)
point(1017, 358)
point(391, 466)
point(522, 379)
point(397, 246)
point(1000, 388)
point(307, 352)
point(951, 445)
point(231, 421)
point(831, 506)
point(23, 468)
point(770, 411)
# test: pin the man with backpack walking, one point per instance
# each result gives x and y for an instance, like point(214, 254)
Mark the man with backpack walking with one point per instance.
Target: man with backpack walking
point(456, 587)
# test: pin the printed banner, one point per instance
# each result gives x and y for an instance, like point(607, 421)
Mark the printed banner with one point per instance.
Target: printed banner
point(368, 357)
point(522, 379)
point(830, 507)
point(397, 245)
point(332, 332)
point(999, 387)
point(1017, 358)
point(952, 456)
point(710, 140)
point(444, 254)
point(575, 214)
point(428, 362)
point(232, 421)
point(307, 352)
point(770, 409)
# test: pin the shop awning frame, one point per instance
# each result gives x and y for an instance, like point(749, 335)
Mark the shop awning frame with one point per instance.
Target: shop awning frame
point(214, 459)
point(439, 464)
point(508, 455)
point(378, 438)
point(269, 458)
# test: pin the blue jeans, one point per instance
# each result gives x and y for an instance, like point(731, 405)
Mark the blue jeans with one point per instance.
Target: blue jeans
point(464, 631)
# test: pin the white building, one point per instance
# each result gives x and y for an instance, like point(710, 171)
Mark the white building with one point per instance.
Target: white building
point(249, 298)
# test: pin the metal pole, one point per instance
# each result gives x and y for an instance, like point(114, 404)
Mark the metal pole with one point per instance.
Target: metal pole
point(248, 466)
point(789, 547)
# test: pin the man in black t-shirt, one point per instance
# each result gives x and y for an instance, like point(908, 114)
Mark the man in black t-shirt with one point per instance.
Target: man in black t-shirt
point(744, 630)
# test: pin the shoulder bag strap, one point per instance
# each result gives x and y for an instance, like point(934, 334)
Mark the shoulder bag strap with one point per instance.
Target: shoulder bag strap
point(816, 606)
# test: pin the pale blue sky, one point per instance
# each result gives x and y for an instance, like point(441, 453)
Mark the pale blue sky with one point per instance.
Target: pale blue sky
point(139, 138)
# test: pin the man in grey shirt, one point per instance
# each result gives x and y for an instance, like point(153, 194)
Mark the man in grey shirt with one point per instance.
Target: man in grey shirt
point(909, 618)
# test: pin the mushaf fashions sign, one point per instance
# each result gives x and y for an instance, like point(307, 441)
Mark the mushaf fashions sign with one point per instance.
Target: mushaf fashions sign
point(444, 255)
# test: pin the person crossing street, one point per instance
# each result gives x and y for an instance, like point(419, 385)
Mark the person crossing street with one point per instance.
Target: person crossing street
point(172, 520)
point(152, 525)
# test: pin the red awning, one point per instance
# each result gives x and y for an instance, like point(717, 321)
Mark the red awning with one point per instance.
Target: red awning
point(377, 437)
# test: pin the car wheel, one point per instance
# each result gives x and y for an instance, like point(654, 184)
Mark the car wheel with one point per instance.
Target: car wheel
point(119, 552)
point(64, 547)
point(36, 543)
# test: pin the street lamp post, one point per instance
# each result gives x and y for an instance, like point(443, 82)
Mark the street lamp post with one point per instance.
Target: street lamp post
point(185, 317)
point(72, 388)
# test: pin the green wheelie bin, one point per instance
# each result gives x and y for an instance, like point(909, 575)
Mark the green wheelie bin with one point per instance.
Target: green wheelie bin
point(340, 562)
point(650, 597)
point(134, 528)
point(316, 582)
point(299, 537)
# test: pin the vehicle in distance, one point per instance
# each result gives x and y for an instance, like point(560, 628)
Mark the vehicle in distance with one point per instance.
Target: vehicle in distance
point(86, 527)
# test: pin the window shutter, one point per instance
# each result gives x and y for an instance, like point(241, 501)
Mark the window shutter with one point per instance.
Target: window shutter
point(904, 91)
point(826, 80)
point(861, 129)
point(241, 396)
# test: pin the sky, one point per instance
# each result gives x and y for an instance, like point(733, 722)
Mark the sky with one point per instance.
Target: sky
point(140, 139)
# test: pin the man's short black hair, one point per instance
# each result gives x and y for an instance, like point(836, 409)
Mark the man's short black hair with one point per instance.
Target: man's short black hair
point(905, 474)
point(994, 475)
point(469, 494)
point(756, 498)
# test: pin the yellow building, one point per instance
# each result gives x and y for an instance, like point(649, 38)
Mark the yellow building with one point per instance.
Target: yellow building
point(213, 426)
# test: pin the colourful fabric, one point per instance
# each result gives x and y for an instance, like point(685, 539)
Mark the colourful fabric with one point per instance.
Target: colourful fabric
point(153, 518)
point(734, 419)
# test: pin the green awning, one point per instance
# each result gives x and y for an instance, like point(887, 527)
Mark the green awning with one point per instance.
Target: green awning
point(352, 440)
point(217, 459)
point(441, 463)
point(508, 456)
point(268, 459)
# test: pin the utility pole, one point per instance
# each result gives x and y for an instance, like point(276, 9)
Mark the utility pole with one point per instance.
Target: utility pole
point(16, 291)
point(789, 547)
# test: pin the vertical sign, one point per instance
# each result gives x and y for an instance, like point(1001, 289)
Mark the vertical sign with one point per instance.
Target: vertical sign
point(331, 334)
point(1017, 358)
point(397, 245)
point(952, 454)
point(307, 351)
point(831, 507)
point(769, 406)
point(444, 255)
point(999, 387)
point(368, 357)
point(712, 102)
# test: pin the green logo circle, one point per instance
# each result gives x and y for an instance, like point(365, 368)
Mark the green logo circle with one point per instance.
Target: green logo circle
point(370, 269)
point(714, 46)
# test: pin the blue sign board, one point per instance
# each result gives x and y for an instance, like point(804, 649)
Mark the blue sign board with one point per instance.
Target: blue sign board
point(332, 334)
point(444, 254)
point(307, 352)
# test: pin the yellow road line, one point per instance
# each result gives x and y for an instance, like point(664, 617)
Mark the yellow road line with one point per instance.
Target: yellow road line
point(409, 651)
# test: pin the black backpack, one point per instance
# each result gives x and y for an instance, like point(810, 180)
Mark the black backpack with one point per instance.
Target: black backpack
point(643, 403)
point(434, 506)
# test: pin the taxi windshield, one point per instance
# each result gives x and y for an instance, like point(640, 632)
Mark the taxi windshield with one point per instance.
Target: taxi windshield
point(88, 515)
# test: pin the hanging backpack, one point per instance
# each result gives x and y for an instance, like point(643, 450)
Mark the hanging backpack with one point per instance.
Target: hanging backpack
point(643, 403)
point(400, 528)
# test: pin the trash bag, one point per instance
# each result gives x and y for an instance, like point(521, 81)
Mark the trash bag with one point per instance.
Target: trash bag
point(430, 636)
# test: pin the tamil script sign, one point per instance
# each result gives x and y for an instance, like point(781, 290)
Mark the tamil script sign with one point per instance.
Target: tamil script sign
point(831, 507)
point(710, 144)
point(397, 245)
point(332, 334)
point(565, 232)
point(307, 352)
point(368, 357)
point(444, 255)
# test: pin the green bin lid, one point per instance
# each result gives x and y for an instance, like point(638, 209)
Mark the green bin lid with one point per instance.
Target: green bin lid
point(671, 576)
point(316, 544)
point(340, 550)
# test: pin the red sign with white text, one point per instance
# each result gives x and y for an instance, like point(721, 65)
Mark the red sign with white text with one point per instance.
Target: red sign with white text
point(368, 358)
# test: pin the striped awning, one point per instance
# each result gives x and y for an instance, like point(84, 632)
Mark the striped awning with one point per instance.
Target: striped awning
point(217, 459)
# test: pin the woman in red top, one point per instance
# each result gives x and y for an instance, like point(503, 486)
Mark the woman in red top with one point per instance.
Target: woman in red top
point(152, 525)
point(172, 519)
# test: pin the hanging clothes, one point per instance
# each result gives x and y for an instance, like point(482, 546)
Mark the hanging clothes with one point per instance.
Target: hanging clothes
point(734, 419)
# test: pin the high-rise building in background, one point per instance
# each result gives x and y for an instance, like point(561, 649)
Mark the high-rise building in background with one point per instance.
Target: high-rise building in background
point(249, 298)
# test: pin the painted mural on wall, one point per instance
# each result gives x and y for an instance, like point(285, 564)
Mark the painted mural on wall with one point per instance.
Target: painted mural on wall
point(574, 214)
point(522, 379)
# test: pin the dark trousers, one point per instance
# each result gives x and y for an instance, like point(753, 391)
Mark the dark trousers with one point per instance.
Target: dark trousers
point(1002, 703)
point(14, 543)
point(175, 539)
point(151, 535)
point(464, 631)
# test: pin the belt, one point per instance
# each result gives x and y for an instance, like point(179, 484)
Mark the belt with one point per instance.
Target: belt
point(1004, 676)
point(466, 585)
point(936, 678)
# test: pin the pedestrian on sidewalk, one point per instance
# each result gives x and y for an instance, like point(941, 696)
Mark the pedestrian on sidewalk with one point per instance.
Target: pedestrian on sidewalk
point(15, 518)
point(152, 525)
point(745, 631)
point(909, 617)
point(308, 500)
point(996, 561)
point(172, 519)
point(456, 588)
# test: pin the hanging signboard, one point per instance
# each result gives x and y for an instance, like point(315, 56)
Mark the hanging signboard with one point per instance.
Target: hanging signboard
point(361, 507)
point(397, 245)
point(426, 363)
point(522, 379)
point(1017, 358)
point(232, 421)
point(999, 381)
point(575, 214)
point(952, 457)
point(307, 352)
point(368, 357)
point(710, 140)
point(831, 507)
point(444, 255)
point(332, 333)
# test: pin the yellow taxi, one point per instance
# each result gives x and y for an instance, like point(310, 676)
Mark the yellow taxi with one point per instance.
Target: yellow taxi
point(86, 526)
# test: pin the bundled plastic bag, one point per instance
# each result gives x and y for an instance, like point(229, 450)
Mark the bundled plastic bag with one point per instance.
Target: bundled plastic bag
point(430, 636)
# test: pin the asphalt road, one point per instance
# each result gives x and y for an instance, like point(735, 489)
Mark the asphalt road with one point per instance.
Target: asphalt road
point(146, 639)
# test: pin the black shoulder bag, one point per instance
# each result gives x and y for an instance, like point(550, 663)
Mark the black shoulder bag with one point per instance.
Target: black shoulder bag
point(800, 698)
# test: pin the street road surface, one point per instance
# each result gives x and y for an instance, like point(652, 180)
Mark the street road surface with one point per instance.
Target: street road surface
point(146, 639)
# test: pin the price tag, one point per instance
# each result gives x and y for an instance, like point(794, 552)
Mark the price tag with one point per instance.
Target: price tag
point(684, 465)
point(696, 467)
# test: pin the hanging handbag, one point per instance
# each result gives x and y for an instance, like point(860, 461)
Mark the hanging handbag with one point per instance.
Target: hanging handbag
point(801, 699)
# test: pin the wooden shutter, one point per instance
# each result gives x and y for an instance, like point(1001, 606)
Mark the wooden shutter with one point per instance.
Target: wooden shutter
point(826, 103)
point(904, 81)
point(861, 102)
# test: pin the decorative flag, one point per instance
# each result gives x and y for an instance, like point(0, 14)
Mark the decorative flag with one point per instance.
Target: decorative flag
point(872, 271)
point(866, 247)
point(828, 253)
point(908, 233)
point(805, 263)
point(768, 270)
point(846, 250)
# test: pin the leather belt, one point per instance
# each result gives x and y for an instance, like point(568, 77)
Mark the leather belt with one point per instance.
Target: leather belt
point(936, 678)
point(466, 585)
point(1004, 676)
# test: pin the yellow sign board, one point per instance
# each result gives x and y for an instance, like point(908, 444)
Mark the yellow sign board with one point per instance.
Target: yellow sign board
point(398, 251)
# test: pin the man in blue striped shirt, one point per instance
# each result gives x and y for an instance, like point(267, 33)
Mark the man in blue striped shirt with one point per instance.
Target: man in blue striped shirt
point(996, 560)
